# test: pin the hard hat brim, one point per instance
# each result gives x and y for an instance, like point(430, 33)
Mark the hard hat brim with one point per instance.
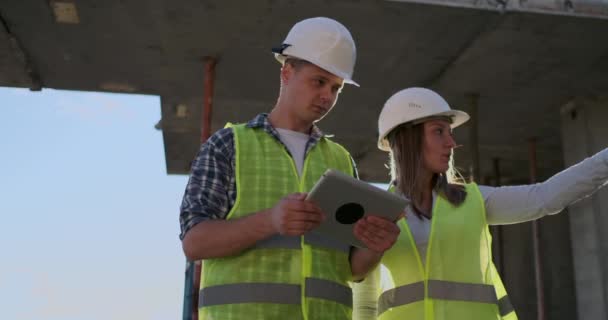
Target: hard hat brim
point(458, 118)
point(281, 59)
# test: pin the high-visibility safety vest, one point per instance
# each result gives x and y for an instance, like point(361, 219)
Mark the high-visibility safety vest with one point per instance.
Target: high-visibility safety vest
point(280, 277)
point(458, 280)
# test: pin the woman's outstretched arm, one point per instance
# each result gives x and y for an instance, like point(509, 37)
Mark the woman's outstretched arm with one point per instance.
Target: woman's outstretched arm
point(514, 204)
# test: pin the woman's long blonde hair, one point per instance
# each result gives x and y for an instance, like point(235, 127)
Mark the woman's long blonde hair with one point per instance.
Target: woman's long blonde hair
point(406, 164)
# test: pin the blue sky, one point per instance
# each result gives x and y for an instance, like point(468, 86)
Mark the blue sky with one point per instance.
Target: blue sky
point(89, 216)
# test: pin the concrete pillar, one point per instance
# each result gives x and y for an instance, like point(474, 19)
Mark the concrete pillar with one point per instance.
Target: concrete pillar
point(584, 132)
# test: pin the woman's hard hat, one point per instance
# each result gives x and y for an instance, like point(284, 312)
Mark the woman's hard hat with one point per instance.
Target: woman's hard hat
point(323, 42)
point(413, 104)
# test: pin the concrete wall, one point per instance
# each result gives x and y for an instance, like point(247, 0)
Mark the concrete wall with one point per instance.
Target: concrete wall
point(584, 132)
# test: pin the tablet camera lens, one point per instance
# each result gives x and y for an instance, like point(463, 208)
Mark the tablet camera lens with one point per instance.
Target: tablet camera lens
point(349, 213)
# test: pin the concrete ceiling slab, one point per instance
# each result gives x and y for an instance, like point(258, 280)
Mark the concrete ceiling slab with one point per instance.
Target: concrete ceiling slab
point(523, 66)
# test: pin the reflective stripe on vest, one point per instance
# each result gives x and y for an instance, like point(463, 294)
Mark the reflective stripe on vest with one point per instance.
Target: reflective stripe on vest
point(325, 242)
point(438, 289)
point(279, 242)
point(448, 290)
point(290, 242)
point(328, 290)
point(504, 306)
point(274, 293)
point(401, 296)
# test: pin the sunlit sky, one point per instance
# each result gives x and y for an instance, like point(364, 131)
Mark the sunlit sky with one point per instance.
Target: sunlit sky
point(89, 215)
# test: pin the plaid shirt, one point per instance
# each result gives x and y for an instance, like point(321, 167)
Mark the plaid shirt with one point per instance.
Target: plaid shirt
point(211, 189)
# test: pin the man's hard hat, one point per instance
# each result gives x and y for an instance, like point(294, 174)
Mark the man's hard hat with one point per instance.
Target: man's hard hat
point(324, 42)
point(413, 104)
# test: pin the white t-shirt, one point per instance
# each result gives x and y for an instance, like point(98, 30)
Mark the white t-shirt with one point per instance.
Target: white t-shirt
point(296, 144)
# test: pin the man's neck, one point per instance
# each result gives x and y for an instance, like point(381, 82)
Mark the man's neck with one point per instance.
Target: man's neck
point(280, 118)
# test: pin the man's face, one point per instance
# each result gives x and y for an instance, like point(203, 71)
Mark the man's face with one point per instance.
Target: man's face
point(310, 91)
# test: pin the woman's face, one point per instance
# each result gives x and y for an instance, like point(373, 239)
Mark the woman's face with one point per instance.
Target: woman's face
point(437, 145)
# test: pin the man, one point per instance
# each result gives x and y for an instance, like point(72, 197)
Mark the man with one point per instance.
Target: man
point(244, 212)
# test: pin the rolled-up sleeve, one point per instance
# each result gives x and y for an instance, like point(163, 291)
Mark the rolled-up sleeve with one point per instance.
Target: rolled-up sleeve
point(365, 296)
point(209, 189)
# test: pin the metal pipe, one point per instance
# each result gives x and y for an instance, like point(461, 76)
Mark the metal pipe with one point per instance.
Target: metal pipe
point(208, 83)
point(474, 136)
point(196, 288)
point(499, 252)
point(191, 288)
point(538, 272)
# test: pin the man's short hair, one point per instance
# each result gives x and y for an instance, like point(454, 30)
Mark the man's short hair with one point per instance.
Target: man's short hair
point(296, 63)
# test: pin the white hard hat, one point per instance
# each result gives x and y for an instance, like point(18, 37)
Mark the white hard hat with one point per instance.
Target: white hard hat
point(414, 104)
point(324, 42)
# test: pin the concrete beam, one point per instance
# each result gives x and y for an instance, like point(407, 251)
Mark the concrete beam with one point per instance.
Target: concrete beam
point(29, 72)
point(597, 9)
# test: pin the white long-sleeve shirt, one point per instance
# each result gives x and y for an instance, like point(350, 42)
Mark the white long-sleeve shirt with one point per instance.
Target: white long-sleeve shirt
point(506, 205)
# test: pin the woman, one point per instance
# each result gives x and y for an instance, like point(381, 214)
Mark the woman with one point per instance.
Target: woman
point(441, 265)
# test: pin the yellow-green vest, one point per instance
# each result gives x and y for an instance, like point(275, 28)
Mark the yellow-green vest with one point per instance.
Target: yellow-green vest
point(281, 277)
point(458, 280)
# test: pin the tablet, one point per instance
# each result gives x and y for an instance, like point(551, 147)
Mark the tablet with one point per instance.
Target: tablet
point(345, 200)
